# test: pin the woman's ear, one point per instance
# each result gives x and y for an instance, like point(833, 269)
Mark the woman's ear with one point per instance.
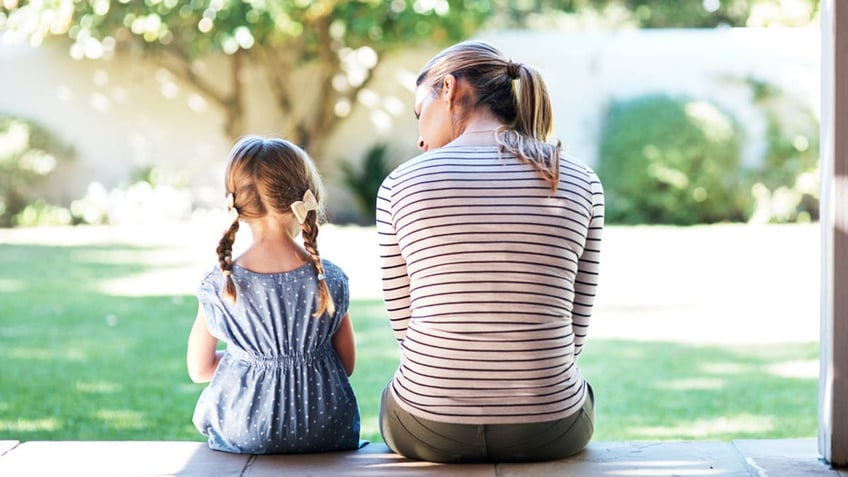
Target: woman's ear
point(449, 88)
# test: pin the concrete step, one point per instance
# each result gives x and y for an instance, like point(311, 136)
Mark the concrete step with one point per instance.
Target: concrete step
point(768, 457)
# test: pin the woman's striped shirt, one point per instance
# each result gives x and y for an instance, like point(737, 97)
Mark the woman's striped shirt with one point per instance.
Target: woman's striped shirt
point(489, 279)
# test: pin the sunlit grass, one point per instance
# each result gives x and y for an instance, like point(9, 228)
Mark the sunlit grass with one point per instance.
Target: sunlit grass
point(92, 349)
point(666, 390)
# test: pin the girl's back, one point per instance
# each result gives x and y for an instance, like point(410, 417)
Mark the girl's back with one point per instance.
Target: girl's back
point(280, 387)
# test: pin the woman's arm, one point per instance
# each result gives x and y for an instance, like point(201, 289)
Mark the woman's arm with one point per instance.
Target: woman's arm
point(345, 344)
point(201, 355)
point(392, 265)
point(586, 282)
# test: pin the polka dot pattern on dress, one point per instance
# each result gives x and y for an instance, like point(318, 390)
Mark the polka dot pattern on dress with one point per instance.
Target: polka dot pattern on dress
point(280, 386)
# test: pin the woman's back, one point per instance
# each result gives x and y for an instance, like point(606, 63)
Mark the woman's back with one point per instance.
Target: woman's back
point(495, 292)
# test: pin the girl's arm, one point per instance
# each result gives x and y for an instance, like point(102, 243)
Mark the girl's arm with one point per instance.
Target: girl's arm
point(201, 355)
point(344, 344)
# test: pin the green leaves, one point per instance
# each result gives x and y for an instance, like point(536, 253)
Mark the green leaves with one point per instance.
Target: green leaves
point(672, 161)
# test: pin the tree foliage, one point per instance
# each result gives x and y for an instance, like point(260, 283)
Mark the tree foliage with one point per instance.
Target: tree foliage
point(652, 13)
point(338, 42)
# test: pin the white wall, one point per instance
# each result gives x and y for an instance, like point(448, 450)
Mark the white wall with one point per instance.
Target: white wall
point(121, 114)
point(117, 115)
point(585, 70)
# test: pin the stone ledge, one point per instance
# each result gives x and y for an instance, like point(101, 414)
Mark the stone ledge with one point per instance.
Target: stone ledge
point(782, 457)
point(6, 446)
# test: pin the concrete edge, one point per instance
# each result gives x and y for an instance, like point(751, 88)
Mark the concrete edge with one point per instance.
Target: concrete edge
point(8, 446)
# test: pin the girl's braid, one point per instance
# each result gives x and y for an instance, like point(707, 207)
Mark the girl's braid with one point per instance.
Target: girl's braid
point(310, 242)
point(225, 259)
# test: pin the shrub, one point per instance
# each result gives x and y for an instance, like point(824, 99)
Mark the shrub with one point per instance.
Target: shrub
point(28, 154)
point(40, 212)
point(153, 196)
point(672, 161)
point(364, 182)
point(786, 186)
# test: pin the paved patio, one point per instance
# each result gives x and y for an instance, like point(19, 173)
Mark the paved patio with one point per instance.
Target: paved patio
point(762, 458)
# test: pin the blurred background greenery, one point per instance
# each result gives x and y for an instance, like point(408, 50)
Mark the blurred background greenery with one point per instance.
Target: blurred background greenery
point(674, 159)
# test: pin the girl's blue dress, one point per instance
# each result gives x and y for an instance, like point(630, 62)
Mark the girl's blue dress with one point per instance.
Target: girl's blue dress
point(280, 386)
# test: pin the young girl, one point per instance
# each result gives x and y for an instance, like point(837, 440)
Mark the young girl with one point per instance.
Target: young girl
point(281, 385)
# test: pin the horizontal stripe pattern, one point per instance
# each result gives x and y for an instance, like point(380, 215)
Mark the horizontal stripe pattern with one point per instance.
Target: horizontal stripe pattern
point(489, 280)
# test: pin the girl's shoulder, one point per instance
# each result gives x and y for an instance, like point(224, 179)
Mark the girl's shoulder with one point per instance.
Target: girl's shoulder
point(211, 285)
point(333, 271)
point(212, 277)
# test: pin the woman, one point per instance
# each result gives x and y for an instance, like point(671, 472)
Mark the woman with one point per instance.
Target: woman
point(489, 243)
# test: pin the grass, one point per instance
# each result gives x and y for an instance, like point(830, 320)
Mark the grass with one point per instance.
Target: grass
point(81, 363)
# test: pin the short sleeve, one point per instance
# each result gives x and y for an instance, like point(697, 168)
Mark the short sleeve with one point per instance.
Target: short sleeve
point(209, 299)
point(340, 289)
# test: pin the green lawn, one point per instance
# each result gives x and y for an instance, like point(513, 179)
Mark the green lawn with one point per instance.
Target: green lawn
point(79, 363)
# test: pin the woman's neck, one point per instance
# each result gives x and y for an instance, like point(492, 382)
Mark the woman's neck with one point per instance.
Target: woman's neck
point(479, 130)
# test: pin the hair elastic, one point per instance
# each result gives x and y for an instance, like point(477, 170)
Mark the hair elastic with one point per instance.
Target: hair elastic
point(512, 69)
point(321, 276)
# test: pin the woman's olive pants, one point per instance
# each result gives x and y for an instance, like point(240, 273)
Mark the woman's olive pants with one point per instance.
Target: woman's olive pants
point(434, 441)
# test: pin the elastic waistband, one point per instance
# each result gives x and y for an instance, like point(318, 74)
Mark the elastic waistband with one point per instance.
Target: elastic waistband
point(280, 360)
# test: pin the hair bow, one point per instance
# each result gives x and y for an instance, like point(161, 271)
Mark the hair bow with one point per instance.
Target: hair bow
point(302, 207)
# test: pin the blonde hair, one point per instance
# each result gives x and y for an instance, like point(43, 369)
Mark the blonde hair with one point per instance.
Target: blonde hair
point(514, 92)
point(270, 174)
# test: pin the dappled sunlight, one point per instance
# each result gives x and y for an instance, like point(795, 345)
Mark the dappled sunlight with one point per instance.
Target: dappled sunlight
point(43, 354)
point(808, 369)
point(152, 283)
point(197, 103)
point(99, 387)
point(121, 418)
point(402, 463)
point(725, 368)
point(29, 425)
point(691, 384)
point(8, 285)
point(674, 391)
point(747, 424)
point(166, 272)
point(168, 87)
point(670, 468)
point(801, 369)
point(100, 102)
point(73, 350)
point(656, 468)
